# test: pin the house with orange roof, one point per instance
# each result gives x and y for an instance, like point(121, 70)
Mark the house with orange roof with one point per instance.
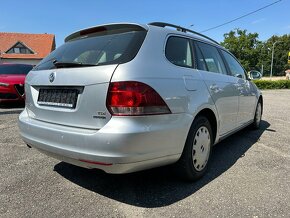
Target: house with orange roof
point(25, 47)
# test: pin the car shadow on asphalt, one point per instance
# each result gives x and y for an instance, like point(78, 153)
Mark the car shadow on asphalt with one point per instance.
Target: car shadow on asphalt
point(161, 187)
point(16, 107)
point(11, 112)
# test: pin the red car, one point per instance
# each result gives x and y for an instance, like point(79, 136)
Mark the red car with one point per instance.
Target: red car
point(12, 77)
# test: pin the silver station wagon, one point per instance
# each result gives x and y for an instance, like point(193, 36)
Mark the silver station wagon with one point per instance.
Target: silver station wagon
point(127, 97)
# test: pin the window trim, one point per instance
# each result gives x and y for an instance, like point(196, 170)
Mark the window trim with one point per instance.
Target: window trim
point(24, 45)
point(196, 47)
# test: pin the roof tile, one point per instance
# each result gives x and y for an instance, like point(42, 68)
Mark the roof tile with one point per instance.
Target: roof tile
point(41, 44)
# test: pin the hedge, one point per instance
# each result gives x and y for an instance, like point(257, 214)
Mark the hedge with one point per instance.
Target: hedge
point(272, 84)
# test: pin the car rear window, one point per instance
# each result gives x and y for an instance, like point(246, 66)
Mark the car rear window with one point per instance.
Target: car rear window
point(97, 48)
point(15, 69)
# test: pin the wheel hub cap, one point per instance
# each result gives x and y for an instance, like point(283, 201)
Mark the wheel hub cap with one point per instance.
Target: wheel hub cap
point(258, 114)
point(201, 148)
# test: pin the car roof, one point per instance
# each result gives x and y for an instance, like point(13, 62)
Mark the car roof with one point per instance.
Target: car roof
point(174, 29)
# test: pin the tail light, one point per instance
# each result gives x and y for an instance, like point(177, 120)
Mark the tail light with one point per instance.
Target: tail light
point(134, 99)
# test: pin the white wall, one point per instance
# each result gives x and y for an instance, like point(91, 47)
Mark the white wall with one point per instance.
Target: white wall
point(20, 61)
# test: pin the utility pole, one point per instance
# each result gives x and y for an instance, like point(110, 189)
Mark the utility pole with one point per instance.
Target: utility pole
point(272, 58)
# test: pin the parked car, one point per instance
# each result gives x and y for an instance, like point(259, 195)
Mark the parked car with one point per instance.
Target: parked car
point(128, 97)
point(12, 77)
point(255, 75)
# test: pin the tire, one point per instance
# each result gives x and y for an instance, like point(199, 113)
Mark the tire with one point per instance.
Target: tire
point(258, 116)
point(196, 154)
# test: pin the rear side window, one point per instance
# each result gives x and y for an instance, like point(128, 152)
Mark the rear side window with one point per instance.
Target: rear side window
point(212, 58)
point(235, 68)
point(15, 69)
point(178, 51)
point(107, 46)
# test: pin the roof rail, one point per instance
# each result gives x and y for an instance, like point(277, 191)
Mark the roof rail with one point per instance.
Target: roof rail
point(182, 29)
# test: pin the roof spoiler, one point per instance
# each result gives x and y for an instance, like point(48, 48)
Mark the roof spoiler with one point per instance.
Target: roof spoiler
point(104, 29)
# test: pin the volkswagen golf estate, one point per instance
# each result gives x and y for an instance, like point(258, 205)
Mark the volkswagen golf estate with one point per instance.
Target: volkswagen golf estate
point(127, 97)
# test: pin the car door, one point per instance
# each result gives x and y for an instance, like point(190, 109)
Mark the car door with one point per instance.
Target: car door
point(247, 97)
point(214, 74)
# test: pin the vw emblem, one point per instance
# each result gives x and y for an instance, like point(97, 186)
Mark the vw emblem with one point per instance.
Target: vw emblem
point(51, 77)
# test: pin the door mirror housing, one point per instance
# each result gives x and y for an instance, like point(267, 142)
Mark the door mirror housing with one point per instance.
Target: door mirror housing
point(239, 76)
point(254, 75)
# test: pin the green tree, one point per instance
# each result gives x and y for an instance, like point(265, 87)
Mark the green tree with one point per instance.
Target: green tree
point(253, 54)
point(281, 50)
point(245, 46)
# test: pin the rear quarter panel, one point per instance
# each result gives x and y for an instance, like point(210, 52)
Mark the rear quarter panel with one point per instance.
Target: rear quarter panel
point(182, 88)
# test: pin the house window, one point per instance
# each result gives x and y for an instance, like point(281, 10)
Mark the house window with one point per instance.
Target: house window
point(19, 48)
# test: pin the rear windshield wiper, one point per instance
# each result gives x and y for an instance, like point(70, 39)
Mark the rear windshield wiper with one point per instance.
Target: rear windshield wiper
point(71, 64)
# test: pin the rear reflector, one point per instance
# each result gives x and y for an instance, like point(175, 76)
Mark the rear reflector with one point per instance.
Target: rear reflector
point(95, 162)
point(134, 99)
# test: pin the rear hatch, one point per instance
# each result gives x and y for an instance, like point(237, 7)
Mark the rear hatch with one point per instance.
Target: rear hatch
point(69, 87)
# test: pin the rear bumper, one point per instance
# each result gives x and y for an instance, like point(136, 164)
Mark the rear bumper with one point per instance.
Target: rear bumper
point(124, 144)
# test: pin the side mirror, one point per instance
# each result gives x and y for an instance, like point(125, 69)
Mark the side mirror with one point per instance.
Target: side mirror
point(255, 75)
point(239, 76)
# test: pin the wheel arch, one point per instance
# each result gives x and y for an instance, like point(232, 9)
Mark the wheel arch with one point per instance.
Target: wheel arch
point(210, 115)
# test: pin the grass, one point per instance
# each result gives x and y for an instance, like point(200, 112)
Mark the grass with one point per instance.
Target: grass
point(272, 84)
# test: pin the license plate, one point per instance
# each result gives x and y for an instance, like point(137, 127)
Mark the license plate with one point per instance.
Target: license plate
point(58, 97)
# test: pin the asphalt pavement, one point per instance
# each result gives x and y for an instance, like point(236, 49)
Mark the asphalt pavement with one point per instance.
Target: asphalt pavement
point(249, 177)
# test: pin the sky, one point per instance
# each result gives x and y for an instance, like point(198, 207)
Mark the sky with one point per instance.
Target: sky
point(62, 17)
